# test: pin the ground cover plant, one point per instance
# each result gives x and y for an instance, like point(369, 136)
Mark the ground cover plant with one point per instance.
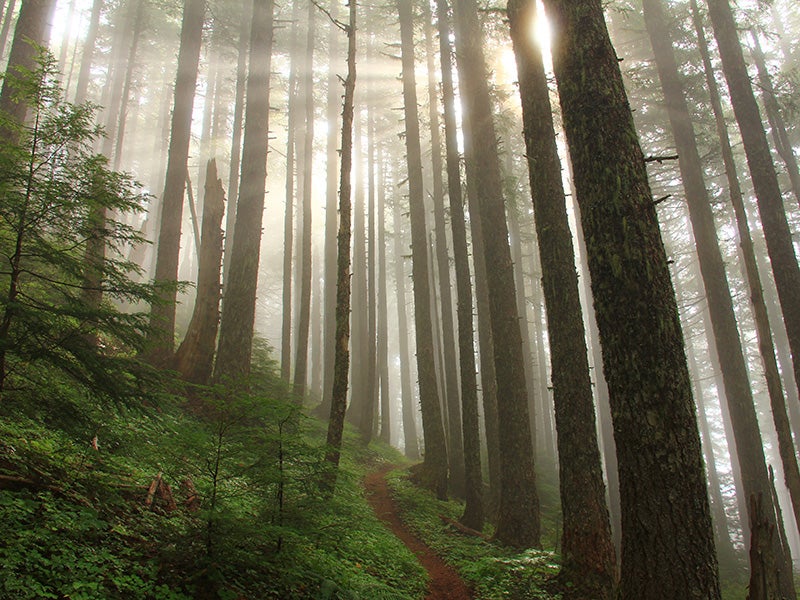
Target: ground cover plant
point(493, 571)
point(165, 504)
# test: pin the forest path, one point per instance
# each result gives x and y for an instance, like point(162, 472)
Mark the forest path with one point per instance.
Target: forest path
point(445, 584)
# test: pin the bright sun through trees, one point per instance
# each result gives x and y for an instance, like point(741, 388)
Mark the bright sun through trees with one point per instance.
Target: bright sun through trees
point(399, 299)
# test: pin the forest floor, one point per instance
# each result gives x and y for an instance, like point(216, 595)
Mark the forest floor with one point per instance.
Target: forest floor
point(445, 584)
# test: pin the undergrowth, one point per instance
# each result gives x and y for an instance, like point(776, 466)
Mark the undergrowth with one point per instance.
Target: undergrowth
point(248, 520)
point(492, 571)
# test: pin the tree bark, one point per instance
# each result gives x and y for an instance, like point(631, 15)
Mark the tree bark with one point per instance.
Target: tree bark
point(342, 363)
point(587, 550)
point(765, 181)
point(162, 314)
point(738, 393)
point(667, 535)
point(234, 348)
point(195, 356)
point(357, 412)
point(455, 448)
point(236, 138)
point(473, 479)
point(518, 522)
point(435, 458)
point(292, 109)
point(605, 425)
point(304, 317)
point(411, 444)
point(331, 218)
point(383, 310)
point(515, 241)
point(8, 18)
point(33, 25)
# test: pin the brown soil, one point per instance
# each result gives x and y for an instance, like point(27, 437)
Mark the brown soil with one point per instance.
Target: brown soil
point(445, 584)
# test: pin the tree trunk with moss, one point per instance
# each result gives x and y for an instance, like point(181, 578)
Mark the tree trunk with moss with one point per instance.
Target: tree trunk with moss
point(588, 560)
point(667, 536)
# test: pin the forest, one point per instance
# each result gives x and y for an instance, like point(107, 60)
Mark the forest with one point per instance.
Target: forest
point(399, 299)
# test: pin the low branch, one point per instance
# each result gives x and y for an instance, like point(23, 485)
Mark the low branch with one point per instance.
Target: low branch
point(660, 200)
point(660, 159)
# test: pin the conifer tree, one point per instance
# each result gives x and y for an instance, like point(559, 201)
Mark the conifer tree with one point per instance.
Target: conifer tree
point(667, 536)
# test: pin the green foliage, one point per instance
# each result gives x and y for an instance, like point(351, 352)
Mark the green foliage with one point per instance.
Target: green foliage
point(63, 273)
point(75, 523)
point(492, 571)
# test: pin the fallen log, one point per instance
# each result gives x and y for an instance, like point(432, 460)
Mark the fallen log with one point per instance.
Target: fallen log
point(463, 528)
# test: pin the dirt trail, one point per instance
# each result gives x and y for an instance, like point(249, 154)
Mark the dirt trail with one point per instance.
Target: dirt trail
point(445, 584)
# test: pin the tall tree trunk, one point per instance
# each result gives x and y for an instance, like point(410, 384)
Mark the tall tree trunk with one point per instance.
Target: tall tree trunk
point(726, 553)
point(66, 39)
point(342, 363)
point(777, 126)
point(33, 25)
point(473, 479)
point(123, 27)
point(370, 343)
point(236, 138)
point(547, 443)
point(764, 585)
point(587, 550)
point(606, 428)
point(435, 460)
point(735, 193)
point(383, 309)
point(235, 344)
point(87, 54)
point(667, 535)
point(162, 313)
point(304, 317)
point(194, 358)
point(518, 522)
point(8, 18)
point(315, 343)
point(358, 411)
point(515, 241)
point(455, 449)
point(738, 393)
point(753, 279)
point(126, 89)
point(292, 109)
point(331, 218)
point(211, 78)
point(765, 182)
point(406, 392)
point(131, 30)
